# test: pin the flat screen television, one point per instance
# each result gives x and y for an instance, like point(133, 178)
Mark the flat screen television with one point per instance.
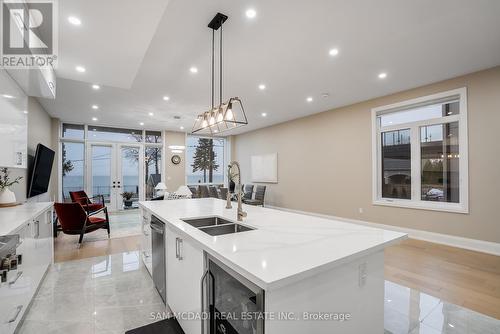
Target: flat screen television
point(39, 174)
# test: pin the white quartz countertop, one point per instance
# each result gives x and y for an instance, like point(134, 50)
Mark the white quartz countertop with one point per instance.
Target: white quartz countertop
point(284, 247)
point(13, 217)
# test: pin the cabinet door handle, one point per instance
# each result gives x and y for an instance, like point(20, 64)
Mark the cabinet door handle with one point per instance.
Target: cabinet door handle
point(37, 224)
point(180, 250)
point(14, 317)
point(145, 254)
point(19, 274)
point(177, 248)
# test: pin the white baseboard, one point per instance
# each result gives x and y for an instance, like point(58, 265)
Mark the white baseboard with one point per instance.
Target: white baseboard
point(449, 240)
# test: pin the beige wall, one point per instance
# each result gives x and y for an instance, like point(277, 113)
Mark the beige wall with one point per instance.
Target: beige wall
point(325, 163)
point(175, 174)
point(39, 131)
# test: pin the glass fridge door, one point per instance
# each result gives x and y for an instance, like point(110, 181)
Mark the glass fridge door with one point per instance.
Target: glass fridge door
point(238, 303)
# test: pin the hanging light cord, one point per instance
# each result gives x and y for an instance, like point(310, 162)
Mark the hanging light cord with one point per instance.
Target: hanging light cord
point(213, 66)
point(220, 59)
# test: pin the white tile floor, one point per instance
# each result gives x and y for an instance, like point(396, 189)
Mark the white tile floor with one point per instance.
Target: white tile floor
point(115, 293)
point(108, 294)
point(410, 311)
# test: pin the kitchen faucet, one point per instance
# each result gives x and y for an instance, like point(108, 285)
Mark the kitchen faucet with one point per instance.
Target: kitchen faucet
point(240, 213)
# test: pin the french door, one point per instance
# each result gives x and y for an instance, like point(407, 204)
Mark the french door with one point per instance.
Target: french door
point(115, 172)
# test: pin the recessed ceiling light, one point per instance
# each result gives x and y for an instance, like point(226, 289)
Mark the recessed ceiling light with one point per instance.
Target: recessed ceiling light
point(95, 107)
point(96, 87)
point(264, 114)
point(166, 98)
point(193, 70)
point(251, 13)
point(26, 111)
point(141, 123)
point(309, 99)
point(74, 20)
point(262, 86)
point(151, 114)
point(7, 96)
point(382, 75)
point(94, 119)
point(181, 127)
point(333, 52)
point(80, 69)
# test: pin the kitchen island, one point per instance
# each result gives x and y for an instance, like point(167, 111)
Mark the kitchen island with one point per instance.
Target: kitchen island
point(317, 275)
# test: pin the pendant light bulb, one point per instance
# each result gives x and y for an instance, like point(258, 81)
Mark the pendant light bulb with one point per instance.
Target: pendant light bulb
point(229, 114)
point(204, 124)
point(212, 120)
point(220, 118)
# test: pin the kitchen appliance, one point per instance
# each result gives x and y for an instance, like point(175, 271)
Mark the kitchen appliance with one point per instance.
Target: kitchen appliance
point(9, 260)
point(158, 259)
point(234, 304)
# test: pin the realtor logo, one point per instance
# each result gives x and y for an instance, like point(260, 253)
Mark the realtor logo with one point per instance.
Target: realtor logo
point(28, 34)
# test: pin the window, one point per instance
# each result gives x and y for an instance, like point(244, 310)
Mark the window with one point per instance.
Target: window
point(153, 137)
point(73, 131)
point(420, 153)
point(205, 160)
point(72, 168)
point(114, 134)
point(95, 156)
point(152, 161)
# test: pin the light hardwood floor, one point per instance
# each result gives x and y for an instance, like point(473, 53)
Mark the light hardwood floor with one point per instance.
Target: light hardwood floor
point(467, 278)
point(459, 276)
point(66, 249)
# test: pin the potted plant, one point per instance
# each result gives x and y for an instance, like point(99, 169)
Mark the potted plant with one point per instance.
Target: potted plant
point(6, 195)
point(127, 198)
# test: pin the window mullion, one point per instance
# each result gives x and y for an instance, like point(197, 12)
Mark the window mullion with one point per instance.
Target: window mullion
point(415, 163)
point(379, 164)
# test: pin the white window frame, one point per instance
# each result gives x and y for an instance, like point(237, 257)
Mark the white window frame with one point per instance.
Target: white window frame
point(415, 202)
point(86, 141)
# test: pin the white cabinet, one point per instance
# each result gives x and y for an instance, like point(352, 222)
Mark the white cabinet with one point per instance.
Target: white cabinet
point(37, 254)
point(146, 245)
point(42, 236)
point(13, 123)
point(184, 272)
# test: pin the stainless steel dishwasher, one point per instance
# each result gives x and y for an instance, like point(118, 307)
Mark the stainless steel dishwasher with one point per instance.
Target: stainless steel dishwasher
point(159, 253)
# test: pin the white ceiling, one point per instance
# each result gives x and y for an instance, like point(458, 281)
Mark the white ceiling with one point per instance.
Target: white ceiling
point(139, 51)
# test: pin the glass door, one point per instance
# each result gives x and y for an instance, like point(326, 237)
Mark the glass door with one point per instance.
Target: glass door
point(115, 172)
point(102, 174)
point(129, 176)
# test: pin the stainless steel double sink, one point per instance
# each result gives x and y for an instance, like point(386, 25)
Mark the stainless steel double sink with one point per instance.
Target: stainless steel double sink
point(216, 225)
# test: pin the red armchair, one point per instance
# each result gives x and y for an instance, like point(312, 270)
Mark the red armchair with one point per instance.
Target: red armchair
point(74, 219)
point(88, 203)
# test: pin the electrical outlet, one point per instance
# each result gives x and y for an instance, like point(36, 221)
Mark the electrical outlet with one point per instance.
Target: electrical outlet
point(362, 274)
point(360, 210)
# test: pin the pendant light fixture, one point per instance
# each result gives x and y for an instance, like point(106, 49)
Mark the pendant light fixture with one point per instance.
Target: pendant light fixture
point(226, 115)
